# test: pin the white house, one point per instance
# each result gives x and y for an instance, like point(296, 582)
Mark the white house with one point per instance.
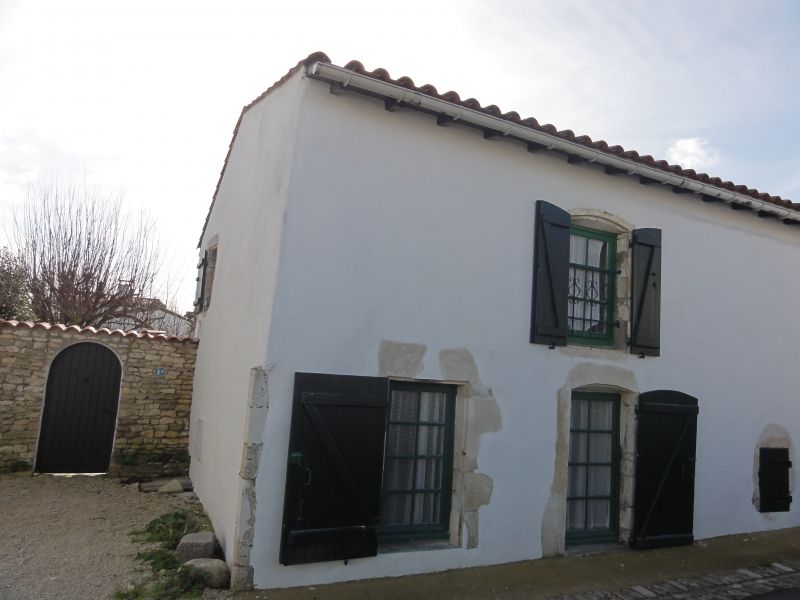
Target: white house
point(378, 392)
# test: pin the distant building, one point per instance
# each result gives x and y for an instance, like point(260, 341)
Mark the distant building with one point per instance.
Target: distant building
point(153, 315)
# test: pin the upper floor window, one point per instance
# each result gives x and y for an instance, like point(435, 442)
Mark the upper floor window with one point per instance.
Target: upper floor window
point(205, 279)
point(591, 294)
point(578, 296)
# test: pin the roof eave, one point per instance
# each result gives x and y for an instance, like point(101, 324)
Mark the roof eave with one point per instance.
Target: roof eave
point(347, 79)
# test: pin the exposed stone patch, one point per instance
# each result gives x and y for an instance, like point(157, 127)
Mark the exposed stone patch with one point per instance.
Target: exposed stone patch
point(251, 455)
point(772, 436)
point(482, 416)
point(554, 517)
point(152, 429)
point(477, 490)
point(256, 417)
point(400, 359)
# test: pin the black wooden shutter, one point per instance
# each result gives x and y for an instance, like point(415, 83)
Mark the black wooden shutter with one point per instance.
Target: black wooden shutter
point(773, 479)
point(646, 293)
point(333, 479)
point(550, 275)
point(200, 289)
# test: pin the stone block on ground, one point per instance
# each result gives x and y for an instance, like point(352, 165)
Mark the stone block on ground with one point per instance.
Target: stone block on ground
point(171, 487)
point(196, 545)
point(214, 572)
point(152, 486)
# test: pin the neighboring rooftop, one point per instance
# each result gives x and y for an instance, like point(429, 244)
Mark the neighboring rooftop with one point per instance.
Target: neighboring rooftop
point(710, 189)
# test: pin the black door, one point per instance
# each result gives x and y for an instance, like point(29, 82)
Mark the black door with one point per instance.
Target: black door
point(665, 456)
point(80, 411)
point(333, 479)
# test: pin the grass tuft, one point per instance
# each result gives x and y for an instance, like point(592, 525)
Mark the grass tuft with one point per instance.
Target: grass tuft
point(168, 580)
point(183, 582)
point(168, 529)
point(158, 559)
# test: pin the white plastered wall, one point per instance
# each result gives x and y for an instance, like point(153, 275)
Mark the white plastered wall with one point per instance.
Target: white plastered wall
point(400, 230)
point(246, 223)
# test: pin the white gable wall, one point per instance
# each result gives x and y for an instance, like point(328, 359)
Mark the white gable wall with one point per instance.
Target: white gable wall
point(246, 224)
point(400, 230)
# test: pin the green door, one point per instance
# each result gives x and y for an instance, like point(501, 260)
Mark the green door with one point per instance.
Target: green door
point(593, 479)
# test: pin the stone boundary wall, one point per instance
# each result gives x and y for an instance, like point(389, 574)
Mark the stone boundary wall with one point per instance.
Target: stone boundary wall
point(152, 430)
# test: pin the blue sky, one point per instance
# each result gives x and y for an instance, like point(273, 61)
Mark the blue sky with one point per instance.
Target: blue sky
point(143, 97)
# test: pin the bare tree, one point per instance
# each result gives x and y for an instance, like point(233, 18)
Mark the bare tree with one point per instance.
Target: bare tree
point(88, 263)
point(14, 300)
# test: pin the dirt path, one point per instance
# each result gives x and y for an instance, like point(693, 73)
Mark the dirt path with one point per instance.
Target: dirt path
point(67, 537)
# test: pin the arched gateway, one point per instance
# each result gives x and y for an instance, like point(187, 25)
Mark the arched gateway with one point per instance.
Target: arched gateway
point(80, 411)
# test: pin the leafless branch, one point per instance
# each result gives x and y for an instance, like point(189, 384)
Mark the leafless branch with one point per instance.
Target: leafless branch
point(88, 263)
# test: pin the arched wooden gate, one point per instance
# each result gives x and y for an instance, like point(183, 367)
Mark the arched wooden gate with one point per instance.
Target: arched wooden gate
point(80, 411)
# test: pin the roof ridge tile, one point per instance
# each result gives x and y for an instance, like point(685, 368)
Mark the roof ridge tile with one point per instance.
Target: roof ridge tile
point(95, 331)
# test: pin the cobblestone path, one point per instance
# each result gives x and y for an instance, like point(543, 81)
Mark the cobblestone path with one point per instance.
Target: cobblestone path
point(720, 585)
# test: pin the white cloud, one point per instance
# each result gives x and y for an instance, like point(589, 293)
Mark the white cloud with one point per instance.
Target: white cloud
point(692, 153)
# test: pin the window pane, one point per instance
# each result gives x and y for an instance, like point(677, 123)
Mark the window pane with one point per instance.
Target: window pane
point(600, 415)
point(430, 440)
point(599, 514)
point(403, 406)
point(414, 478)
point(579, 419)
point(576, 510)
point(597, 254)
point(600, 447)
point(426, 508)
point(577, 481)
point(590, 284)
point(579, 320)
point(398, 474)
point(429, 473)
point(401, 440)
point(577, 447)
point(432, 406)
point(396, 509)
point(591, 290)
point(599, 481)
point(577, 281)
point(577, 249)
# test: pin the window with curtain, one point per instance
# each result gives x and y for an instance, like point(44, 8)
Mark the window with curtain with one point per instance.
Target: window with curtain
point(593, 492)
point(418, 461)
point(592, 272)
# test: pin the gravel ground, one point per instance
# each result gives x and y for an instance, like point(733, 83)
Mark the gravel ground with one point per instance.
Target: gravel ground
point(67, 537)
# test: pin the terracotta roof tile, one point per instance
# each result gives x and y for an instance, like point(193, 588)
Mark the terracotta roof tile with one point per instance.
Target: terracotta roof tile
point(570, 135)
point(102, 331)
point(513, 117)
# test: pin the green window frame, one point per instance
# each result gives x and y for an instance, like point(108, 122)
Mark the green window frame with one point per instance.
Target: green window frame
point(592, 283)
point(593, 477)
point(418, 462)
